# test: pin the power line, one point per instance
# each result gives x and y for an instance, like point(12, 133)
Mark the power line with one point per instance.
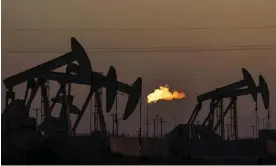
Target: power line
point(140, 29)
point(152, 50)
point(174, 47)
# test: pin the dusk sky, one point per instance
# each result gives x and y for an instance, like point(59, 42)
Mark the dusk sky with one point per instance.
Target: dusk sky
point(34, 32)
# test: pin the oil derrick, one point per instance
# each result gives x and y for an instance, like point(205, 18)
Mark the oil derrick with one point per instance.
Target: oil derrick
point(80, 73)
point(232, 91)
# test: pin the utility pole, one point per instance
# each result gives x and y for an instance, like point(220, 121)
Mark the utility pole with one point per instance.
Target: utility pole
point(157, 124)
point(264, 123)
point(116, 113)
point(95, 115)
point(161, 125)
point(96, 121)
point(268, 119)
point(90, 115)
point(153, 127)
point(113, 120)
point(253, 131)
point(147, 134)
point(140, 128)
point(231, 124)
point(257, 126)
point(257, 133)
point(173, 121)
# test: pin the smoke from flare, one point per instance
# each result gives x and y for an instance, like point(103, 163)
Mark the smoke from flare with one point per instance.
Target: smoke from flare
point(163, 93)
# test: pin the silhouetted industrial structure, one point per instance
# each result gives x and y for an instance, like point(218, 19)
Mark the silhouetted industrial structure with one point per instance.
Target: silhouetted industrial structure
point(25, 135)
point(232, 91)
point(208, 139)
point(78, 71)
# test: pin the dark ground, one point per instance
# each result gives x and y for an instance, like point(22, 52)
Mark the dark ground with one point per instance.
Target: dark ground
point(46, 156)
point(56, 151)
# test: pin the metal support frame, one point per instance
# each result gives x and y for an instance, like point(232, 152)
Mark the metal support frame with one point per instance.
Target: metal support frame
point(195, 113)
point(233, 126)
point(116, 115)
point(220, 117)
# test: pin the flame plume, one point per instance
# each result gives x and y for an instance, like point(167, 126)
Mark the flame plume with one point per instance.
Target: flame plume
point(163, 93)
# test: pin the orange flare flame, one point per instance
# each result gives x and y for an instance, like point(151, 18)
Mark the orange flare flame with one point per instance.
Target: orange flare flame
point(163, 93)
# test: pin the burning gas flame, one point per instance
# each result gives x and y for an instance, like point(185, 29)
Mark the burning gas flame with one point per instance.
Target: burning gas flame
point(163, 93)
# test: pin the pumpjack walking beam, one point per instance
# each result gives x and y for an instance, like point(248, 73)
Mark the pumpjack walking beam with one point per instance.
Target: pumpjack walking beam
point(40, 70)
point(247, 81)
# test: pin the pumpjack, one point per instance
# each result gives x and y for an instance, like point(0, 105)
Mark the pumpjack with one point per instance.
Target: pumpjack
point(232, 91)
point(78, 71)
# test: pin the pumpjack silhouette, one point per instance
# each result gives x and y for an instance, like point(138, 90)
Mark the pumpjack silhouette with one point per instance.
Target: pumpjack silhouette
point(232, 91)
point(208, 138)
point(78, 71)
